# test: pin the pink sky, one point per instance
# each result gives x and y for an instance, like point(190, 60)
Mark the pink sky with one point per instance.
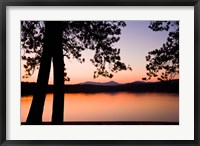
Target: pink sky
point(135, 42)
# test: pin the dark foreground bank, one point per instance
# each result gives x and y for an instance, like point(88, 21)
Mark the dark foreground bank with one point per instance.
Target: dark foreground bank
point(113, 123)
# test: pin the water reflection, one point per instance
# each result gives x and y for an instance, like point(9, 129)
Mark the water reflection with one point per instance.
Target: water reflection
point(112, 107)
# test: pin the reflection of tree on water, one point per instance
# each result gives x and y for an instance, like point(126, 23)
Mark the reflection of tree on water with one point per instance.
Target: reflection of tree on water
point(53, 40)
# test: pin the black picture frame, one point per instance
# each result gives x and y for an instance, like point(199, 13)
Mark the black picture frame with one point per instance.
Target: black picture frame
point(5, 3)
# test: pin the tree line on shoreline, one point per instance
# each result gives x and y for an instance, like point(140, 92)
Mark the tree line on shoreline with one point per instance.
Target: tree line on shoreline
point(141, 87)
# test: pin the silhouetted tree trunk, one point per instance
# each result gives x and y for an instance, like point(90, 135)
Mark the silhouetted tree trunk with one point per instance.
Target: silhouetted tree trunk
point(58, 66)
point(94, 35)
point(36, 110)
point(52, 48)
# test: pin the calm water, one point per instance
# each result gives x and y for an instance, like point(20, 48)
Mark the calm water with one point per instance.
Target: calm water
point(112, 107)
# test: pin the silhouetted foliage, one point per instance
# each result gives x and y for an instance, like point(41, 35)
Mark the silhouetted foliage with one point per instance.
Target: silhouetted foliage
point(32, 36)
point(77, 37)
point(166, 59)
point(43, 42)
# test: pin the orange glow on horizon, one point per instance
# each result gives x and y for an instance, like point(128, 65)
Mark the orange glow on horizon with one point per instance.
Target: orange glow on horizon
point(136, 40)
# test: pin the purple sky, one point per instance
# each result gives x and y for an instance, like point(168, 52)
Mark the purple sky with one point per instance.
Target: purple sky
point(135, 42)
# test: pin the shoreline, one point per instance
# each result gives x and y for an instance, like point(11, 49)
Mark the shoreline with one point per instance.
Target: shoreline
point(135, 87)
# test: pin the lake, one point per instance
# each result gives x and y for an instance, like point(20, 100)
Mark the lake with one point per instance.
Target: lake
point(120, 106)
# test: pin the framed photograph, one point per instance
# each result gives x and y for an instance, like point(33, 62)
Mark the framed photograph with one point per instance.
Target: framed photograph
point(99, 72)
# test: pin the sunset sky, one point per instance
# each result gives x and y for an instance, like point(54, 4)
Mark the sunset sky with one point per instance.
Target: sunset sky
point(136, 40)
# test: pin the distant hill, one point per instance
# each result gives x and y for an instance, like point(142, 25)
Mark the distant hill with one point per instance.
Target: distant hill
point(110, 83)
point(95, 87)
point(158, 82)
